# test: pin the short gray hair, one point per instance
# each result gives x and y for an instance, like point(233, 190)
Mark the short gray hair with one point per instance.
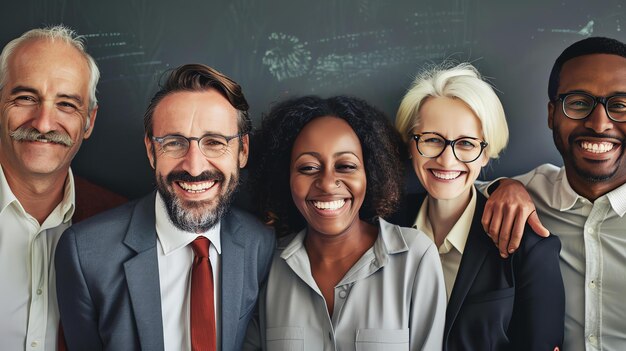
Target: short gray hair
point(58, 32)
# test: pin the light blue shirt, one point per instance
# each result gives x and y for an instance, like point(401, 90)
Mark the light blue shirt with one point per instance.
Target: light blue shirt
point(393, 298)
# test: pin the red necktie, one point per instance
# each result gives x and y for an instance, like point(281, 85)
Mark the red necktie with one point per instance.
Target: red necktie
point(202, 308)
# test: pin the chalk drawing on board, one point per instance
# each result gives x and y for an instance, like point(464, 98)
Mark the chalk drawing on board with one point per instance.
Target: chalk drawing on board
point(343, 58)
point(288, 57)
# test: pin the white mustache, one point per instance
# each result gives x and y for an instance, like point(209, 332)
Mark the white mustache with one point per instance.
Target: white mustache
point(32, 134)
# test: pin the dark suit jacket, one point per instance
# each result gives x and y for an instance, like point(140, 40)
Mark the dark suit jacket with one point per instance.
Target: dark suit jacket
point(108, 278)
point(502, 304)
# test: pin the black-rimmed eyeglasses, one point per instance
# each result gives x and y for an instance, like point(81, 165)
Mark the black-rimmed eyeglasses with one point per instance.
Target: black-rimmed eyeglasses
point(579, 105)
point(211, 145)
point(465, 149)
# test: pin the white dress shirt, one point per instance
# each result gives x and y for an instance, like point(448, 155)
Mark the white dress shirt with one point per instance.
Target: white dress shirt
point(175, 258)
point(29, 315)
point(451, 250)
point(593, 257)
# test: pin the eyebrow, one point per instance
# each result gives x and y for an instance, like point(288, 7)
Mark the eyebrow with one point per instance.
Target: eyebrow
point(586, 92)
point(25, 89)
point(21, 88)
point(335, 155)
point(74, 97)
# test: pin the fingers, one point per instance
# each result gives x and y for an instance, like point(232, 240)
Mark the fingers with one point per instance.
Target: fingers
point(486, 219)
point(504, 233)
point(517, 232)
point(506, 212)
point(497, 226)
point(537, 226)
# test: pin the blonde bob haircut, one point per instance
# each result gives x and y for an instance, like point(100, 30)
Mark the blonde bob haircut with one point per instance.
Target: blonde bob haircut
point(463, 82)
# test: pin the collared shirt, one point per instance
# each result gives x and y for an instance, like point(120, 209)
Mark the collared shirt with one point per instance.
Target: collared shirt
point(451, 250)
point(175, 258)
point(593, 257)
point(29, 315)
point(393, 296)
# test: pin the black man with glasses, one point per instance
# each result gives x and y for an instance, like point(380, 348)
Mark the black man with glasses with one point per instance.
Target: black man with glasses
point(179, 269)
point(453, 123)
point(584, 202)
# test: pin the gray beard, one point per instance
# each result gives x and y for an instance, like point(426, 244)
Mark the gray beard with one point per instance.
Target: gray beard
point(196, 216)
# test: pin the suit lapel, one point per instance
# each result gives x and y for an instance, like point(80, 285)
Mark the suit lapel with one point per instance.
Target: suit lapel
point(474, 254)
point(232, 275)
point(142, 275)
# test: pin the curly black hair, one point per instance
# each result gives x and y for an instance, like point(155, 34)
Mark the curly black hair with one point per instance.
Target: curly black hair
point(382, 151)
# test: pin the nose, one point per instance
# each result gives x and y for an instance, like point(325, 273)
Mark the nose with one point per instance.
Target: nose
point(447, 157)
point(598, 120)
point(326, 181)
point(194, 162)
point(43, 118)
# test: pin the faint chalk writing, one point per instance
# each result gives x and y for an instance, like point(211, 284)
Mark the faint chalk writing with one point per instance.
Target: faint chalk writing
point(586, 31)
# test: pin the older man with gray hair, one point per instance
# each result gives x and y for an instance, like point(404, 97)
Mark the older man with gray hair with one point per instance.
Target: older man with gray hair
point(47, 107)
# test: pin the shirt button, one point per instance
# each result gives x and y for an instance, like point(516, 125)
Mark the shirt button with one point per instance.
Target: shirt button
point(34, 344)
point(343, 294)
point(39, 291)
point(592, 339)
point(592, 284)
point(590, 230)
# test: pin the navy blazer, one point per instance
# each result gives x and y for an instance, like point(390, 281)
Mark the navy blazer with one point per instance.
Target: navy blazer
point(108, 278)
point(516, 303)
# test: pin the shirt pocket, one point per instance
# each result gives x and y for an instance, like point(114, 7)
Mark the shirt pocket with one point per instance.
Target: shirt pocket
point(382, 340)
point(285, 338)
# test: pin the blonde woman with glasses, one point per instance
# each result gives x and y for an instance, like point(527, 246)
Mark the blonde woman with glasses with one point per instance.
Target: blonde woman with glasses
point(453, 123)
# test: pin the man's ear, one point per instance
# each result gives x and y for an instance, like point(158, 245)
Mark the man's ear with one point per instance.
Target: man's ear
point(90, 122)
point(244, 152)
point(150, 151)
point(551, 110)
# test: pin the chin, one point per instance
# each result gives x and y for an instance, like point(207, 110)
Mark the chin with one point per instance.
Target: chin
point(446, 194)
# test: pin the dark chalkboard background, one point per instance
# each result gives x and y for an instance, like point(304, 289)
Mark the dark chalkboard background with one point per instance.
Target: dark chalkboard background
point(279, 48)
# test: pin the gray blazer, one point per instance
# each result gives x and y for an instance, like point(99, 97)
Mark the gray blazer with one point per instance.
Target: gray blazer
point(108, 278)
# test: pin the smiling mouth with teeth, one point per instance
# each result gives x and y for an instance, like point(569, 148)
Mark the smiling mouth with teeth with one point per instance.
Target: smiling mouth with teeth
point(196, 187)
point(329, 205)
point(448, 175)
point(596, 147)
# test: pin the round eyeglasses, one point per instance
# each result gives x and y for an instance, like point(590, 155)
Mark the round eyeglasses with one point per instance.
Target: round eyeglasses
point(579, 105)
point(465, 149)
point(211, 145)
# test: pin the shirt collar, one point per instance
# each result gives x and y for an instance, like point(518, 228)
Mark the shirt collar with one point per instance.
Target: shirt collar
point(172, 238)
point(568, 197)
point(617, 198)
point(457, 237)
point(66, 207)
point(564, 195)
point(389, 241)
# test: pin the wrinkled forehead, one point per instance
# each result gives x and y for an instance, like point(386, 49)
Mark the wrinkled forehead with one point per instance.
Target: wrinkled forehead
point(195, 113)
point(48, 66)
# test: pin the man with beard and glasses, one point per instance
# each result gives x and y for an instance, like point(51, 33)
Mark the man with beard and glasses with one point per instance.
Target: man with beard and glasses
point(584, 202)
point(178, 269)
point(47, 107)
